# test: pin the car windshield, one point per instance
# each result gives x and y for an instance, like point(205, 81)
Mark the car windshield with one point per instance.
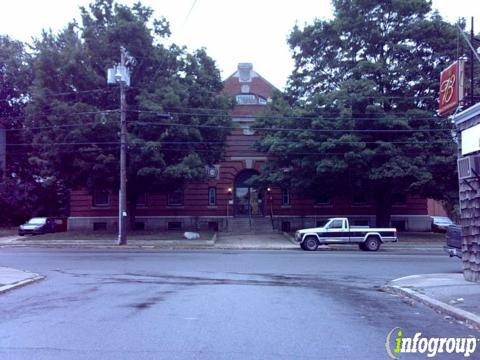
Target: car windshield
point(37, 221)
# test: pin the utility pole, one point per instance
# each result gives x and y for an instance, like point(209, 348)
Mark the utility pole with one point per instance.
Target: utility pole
point(120, 75)
point(122, 234)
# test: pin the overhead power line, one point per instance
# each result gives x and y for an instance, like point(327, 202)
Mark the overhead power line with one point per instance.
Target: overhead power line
point(263, 129)
point(66, 143)
point(77, 92)
point(303, 153)
point(224, 113)
point(45, 113)
point(470, 45)
point(160, 143)
point(189, 12)
point(298, 129)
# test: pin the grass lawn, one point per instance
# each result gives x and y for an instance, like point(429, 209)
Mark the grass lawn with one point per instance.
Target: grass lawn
point(109, 235)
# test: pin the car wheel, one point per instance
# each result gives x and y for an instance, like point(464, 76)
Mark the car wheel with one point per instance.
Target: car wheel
point(372, 243)
point(310, 243)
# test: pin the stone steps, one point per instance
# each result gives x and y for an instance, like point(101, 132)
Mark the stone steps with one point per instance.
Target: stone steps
point(245, 226)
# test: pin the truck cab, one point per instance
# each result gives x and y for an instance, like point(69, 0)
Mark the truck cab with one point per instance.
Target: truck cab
point(336, 229)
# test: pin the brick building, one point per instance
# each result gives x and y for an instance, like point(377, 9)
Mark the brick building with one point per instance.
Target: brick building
point(226, 201)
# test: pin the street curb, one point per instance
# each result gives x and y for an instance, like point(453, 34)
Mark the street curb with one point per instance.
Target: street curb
point(165, 244)
point(9, 287)
point(253, 248)
point(208, 245)
point(115, 247)
point(436, 305)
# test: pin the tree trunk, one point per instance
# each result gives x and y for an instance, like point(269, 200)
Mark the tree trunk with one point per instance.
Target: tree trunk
point(383, 209)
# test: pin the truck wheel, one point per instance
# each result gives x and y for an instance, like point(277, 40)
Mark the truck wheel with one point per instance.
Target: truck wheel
point(310, 243)
point(372, 243)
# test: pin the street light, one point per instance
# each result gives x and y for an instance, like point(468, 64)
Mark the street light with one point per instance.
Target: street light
point(270, 200)
point(229, 193)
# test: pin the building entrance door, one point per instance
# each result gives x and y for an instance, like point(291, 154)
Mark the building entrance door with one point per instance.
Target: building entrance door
point(248, 200)
point(242, 201)
point(255, 202)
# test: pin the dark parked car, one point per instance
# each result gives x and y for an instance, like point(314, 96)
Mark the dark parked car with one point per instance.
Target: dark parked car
point(454, 241)
point(39, 225)
point(441, 223)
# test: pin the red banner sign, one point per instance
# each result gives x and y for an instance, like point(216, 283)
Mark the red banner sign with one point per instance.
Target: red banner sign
point(451, 88)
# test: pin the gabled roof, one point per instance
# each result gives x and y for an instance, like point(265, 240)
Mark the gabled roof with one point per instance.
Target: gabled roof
point(245, 78)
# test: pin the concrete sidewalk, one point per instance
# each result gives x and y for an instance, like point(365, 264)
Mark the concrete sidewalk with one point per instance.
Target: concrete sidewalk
point(13, 278)
point(449, 294)
point(271, 241)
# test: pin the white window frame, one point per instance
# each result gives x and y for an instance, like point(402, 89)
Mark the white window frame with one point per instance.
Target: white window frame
point(212, 190)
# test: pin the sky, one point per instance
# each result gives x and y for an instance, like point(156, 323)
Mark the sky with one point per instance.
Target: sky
point(253, 31)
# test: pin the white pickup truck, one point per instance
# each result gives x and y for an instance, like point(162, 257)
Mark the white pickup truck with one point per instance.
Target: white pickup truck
point(339, 231)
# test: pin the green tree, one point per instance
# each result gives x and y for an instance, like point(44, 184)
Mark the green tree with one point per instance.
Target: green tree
point(72, 104)
point(16, 183)
point(15, 79)
point(22, 193)
point(364, 92)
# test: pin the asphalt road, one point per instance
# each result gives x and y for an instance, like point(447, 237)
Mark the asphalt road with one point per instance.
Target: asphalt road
point(213, 304)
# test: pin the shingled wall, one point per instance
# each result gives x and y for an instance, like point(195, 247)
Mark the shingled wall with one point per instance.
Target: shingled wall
point(470, 205)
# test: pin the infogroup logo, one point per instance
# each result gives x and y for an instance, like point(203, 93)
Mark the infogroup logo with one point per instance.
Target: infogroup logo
point(397, 343)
